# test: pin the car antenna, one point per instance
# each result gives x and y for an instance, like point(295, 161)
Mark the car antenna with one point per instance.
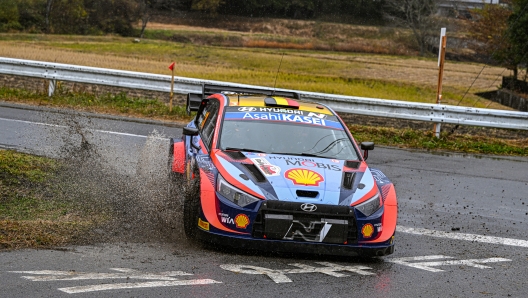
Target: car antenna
point(275, 83)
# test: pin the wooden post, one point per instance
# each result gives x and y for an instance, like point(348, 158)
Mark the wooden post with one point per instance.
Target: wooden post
point(441, 60)
point(171, 67)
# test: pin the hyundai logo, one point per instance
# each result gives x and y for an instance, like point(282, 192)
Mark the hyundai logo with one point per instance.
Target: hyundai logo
point(247, 109)
point(308, 207)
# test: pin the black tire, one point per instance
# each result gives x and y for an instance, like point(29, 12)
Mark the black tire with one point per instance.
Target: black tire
point(175, 185)
point(191, 208)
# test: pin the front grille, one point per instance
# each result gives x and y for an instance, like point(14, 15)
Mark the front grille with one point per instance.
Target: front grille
point(287, 221)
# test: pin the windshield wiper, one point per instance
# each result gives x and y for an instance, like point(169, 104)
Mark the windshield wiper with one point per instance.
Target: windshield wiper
point(244, 149)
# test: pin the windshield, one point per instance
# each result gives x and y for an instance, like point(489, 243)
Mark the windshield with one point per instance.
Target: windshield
point(286, 138)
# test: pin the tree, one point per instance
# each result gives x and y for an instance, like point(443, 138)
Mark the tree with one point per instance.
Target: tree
point(32, 14)
point(68, 16)
point(417, 15)
point(210, 6)
point(8, 15)
point(145, 7)
point(488, 26)
point(111, 16)
point(517, 34)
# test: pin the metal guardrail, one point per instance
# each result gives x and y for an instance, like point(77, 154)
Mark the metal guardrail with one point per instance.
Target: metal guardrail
point(340, 103)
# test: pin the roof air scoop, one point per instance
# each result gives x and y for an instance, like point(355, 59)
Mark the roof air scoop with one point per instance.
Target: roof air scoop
point(281, 102)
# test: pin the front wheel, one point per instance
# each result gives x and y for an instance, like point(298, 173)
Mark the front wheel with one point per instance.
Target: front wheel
point(191, 208)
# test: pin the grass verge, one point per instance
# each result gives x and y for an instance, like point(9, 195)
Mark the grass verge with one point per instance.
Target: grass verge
point(419, 139)
point(30, 214)
point(107, 103)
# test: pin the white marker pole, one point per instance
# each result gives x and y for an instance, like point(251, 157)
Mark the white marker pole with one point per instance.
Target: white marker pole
point(441, 60)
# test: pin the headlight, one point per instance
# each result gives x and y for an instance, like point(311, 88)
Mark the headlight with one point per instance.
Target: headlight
point(233, 194)
point(370, 206)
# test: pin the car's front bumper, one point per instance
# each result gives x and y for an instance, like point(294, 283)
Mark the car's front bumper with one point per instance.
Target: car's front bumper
point(238, 243)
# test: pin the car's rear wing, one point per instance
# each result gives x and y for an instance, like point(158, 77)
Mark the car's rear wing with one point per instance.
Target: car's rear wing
point(194, 99)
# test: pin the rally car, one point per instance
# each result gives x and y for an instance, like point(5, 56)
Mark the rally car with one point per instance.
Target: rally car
point(263, 169)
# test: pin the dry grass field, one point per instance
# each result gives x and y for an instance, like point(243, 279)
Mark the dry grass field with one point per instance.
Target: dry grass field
point(367, 75)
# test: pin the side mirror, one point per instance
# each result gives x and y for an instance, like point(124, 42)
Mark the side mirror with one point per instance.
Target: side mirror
point(190, 131)
point(366, 146)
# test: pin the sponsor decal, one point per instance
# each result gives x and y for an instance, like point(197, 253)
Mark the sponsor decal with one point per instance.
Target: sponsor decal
point(335, 160)
point(204, 162)
point(225, 218)
point(295, 118)
point(313, 164)
point(320, 116)
point(379, 227)
point(203, 224)
point(247, 109)
point(241, 221)
point(261, 154)
point(286, 111)
point(304, 177)
point(284, 117)
point(380, 178)
point(292, 158)
point(265, 167)
point(367, 230)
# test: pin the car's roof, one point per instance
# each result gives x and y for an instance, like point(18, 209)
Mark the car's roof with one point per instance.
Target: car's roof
point(258, 101)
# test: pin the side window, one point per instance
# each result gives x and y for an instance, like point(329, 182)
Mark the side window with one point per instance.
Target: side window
point(207, 122)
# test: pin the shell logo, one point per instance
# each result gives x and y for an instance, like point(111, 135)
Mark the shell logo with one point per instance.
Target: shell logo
point(367, 230)
point(241, 221)
point(304, 177)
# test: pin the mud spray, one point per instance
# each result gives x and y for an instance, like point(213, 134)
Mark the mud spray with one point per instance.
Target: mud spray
point(126, 193)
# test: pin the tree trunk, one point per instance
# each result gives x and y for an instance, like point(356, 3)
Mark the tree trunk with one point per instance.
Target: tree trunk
point(144, 21)
point(49, 5)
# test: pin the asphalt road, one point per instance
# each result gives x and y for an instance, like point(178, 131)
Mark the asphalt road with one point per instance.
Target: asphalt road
point(461, 230)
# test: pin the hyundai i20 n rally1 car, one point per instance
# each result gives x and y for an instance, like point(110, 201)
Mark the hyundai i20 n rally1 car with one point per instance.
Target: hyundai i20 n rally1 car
point(263, 169)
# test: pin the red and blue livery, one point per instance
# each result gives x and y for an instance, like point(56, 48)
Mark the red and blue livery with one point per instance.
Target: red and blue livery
point(263, 169)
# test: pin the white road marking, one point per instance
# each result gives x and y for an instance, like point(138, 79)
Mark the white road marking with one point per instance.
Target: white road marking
point(31, 122)
point(162, 279)
point(279, 276)
point(428, 266)
point(48, 275)
point(462, 236)
point(91, 130)
point(153, 284)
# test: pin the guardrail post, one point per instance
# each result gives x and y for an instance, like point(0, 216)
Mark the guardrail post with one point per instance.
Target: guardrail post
point(52, 85)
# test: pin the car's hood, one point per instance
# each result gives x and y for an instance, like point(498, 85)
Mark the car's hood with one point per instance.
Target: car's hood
point(297, 178)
